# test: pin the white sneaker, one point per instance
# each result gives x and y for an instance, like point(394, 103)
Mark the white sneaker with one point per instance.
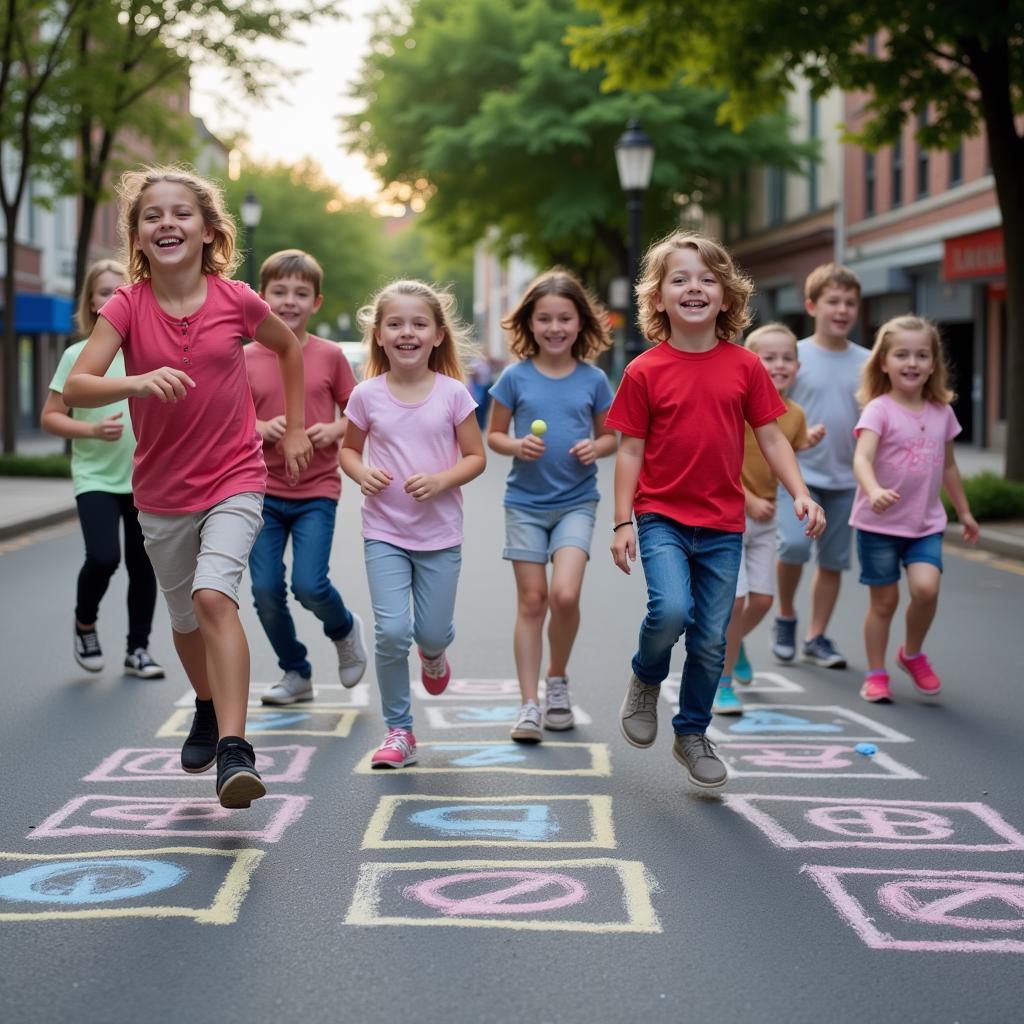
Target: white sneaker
point(527, 728)
point(291, 688)
point(557, 705)
point(87, 650)
point(352, 654)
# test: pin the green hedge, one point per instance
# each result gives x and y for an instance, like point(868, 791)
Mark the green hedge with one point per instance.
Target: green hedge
point(35, 465)
point(991, 497)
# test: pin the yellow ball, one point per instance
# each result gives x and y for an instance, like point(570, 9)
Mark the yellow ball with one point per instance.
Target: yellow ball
point(538, 427)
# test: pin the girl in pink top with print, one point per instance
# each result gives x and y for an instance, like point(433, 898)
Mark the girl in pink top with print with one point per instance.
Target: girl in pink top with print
point(412, 441)
point(904, 456)
point(198, 476)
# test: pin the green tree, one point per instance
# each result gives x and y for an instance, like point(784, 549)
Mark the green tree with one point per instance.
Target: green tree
point(473, 107)
point(962, 65)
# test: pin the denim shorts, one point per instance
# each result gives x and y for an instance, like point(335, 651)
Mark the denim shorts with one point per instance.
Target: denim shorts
point(881, 555)
point(533, 535)
point(833, 546)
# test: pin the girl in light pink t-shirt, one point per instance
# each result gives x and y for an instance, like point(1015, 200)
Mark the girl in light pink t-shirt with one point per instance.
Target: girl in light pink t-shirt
point(904, 457)
point(412, 441)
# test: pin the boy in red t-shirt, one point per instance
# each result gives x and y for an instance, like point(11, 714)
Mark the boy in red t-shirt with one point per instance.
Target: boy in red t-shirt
point(290, 283)
point(681, 409)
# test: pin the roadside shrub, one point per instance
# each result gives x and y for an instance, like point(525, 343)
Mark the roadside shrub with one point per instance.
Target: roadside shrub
point(991, 497)
point(35, 465)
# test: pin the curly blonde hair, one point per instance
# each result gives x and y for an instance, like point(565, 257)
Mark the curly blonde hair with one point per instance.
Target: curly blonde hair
point(737, 287)
point(593, 337)
point(875, 382)
point(447, 358)
point(219, 256)
point(85, 315)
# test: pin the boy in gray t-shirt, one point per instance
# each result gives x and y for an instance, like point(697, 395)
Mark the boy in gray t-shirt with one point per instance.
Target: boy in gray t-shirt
point(829, 377)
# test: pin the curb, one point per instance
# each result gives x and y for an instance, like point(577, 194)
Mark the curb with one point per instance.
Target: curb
point(994, 540)
point(39, 522)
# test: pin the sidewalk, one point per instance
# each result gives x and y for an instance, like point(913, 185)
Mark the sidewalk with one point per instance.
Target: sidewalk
point(28, 503)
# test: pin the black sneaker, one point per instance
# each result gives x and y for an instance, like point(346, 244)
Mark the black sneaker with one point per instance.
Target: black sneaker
point(87, 650)
point(199, 751)
point(139, 663)
point(238, 782)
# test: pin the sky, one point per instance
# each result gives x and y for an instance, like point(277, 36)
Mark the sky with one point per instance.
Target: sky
point(301, 120)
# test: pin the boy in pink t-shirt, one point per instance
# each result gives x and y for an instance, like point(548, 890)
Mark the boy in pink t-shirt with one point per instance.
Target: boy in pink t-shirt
point(290, 282)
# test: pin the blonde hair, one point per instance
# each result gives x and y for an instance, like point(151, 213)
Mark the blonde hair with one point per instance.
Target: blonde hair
point(874, 382)
point(737, 287)
point(593, 337)
point(291, 263)
point(760, 333)
point(85, 315)
point(219, 256)
point(446, 358)
point(834, 274)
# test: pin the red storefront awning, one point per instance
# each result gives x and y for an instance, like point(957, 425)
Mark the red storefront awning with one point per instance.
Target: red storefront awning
point(974, 256)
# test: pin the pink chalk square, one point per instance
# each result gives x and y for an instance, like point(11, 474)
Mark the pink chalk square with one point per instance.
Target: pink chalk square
point(175, 817)
point(924, 911)
point(836, 760)
point(825, 823)
point(286, 763)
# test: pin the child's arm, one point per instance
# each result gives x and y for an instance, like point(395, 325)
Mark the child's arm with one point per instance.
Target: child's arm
point(371, 480)
point(815, 435)
point(323, 434)
point(526, 448)
point(473, 462)
point(761, 510)
point(87, 387)
point(955, 489)
point(56, 419)
point(295, 445)
point(880, 497)
point(603, 442)
point(628, 462)
point(779, 455)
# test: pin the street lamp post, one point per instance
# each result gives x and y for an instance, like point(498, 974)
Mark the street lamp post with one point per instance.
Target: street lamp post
point(634, 157)
point(251, 214)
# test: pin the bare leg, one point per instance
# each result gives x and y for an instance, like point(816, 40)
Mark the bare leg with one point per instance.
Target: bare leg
point(881, 609)
point(527, 638)
point(824, 594)
point(227, 658)
point(564, 602)
point(788, 577)
point(923, 580)
point(192, 654)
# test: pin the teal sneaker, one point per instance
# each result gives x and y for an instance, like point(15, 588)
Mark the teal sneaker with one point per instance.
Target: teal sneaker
point(726, 701)
point(743, 671)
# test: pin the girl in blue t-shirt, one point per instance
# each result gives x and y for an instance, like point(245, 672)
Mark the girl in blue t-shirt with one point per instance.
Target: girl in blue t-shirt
point(556, 404)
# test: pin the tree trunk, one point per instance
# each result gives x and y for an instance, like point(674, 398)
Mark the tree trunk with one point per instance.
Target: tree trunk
point(10, 361)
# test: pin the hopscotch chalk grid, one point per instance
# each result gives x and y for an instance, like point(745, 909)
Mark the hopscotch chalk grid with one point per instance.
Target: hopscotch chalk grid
point(549, 758)
point(325, 695)
point(477, 716)
point(768, 723)
point(763, 682)
point(809, 761)
point(307, 721)
point(472, 689)
point(285, 763)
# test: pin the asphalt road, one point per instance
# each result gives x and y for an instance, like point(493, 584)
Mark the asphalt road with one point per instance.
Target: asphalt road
point(580, 881)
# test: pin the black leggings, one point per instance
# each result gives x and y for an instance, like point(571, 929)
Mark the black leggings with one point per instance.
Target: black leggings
point(100, 514)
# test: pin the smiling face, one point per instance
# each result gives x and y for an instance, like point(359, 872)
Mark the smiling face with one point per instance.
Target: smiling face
point(834, 312)
point(690, 295)
point(909, 362)
point(294, 300)
point(408, 332)
point(103, 287)
point(777, 352)
point(555, 325)
point(170, 231)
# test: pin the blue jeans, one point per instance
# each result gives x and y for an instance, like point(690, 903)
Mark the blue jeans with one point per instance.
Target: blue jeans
point(310, 523)
point(430, 578)
point(691, 585)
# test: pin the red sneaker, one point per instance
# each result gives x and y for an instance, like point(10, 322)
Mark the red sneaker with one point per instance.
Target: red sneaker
point(435, 674)
point(397, 750)
point(920, 670)
point(876, 688)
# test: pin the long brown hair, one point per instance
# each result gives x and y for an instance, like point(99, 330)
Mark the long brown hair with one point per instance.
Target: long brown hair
point(874, 382)
point(85, 315)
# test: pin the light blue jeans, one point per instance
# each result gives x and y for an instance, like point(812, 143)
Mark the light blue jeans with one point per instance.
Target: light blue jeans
point(430, 579)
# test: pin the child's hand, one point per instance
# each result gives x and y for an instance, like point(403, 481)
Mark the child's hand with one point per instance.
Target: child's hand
point(815, 435)
point(167, 384)
point(882, 498)
point(584, 451)
point(374, 481)
point(271, 430)
point(323, 434)
point(423, 485)
point(108, 429)
point(531, 448)
point(761, 510)
point(624, 547)
point(813, 513)
point(297, 452)
point(970, 528)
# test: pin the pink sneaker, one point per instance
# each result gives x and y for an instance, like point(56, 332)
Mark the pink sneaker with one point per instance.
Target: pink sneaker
point(876, 688)
point(919, 669)
point(435, 674)
point(397, 750)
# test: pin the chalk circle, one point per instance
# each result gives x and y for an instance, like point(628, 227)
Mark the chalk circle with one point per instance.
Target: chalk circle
point(90, 881)
point(430, 893)
point(936, 902)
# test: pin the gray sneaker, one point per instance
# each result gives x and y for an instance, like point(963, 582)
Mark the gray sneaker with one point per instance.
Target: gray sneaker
point(784, 639)
point(819, 650)
point(696, 753)
point(291, 688)
point(557, 705)
point(638, 716)
point(527, 728)
point(352, 654)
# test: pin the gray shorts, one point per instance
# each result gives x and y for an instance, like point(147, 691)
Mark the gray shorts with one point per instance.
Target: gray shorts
point(206, 550)
point(757, 567)
point(534, 536)
point(833, 545)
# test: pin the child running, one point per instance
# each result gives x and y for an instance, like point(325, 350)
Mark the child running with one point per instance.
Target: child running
point(102, 446)
point(424, 443)
point(198, 476)
point(290, 282)
point(775, 345)
point(904, 456)
point(551, 494)
point(681, 407)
